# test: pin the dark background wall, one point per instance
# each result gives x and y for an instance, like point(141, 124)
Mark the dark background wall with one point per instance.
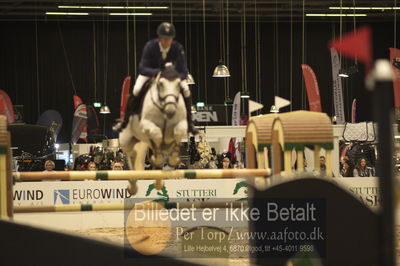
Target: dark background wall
point(35, 57)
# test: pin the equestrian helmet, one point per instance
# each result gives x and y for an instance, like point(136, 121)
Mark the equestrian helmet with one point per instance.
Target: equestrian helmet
point(166, 30)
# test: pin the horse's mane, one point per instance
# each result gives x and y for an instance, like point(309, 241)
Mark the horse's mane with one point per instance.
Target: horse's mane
point(170, 73)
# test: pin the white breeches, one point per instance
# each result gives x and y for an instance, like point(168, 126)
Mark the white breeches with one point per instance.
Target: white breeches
point(140, 81)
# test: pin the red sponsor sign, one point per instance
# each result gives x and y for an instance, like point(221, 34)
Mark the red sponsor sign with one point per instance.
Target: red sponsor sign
point(395, 56)
point(77, 101)
point(310, 79)
point(6, 107)
point(124, 96)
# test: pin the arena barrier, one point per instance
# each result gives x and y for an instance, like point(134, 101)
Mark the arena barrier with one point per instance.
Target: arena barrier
point(130, 205)
point(141, 174)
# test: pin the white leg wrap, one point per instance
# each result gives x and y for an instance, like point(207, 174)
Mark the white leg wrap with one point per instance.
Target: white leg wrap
point(139, 84)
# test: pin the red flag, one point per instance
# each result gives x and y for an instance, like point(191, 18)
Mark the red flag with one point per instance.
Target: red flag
point(124, 96)
point(394, 56)
point(356, 45)
point(314, 99)
point(6, 107)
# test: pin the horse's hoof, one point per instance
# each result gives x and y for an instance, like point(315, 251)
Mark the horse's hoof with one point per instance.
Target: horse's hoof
point(173, 161)
point(157, 161)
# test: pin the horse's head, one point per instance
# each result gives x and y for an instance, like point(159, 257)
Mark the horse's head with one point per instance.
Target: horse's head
point(168, 88)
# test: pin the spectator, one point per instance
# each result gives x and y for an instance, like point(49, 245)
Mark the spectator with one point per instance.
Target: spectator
point(343, 159)
point(226, 163)
point(49, 166)
point(362, 170)
point(322, 167)
point(347, 170)
point(341, 162)
point(322, 163)
point(92, 166)
point(117, 166)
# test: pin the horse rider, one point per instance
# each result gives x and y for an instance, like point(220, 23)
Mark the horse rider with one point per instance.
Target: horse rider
point(156, 54)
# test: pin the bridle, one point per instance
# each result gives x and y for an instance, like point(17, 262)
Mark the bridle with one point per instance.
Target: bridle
point(162, 99)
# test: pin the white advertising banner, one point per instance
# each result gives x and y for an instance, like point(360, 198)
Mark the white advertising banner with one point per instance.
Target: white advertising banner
point(98, 192)
point(337, 88)
point(366, 189)
point(101, 192)
point(236, 110)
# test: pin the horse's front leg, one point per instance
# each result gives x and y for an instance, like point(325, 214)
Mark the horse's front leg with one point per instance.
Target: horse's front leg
point(180, 131)
point(154, 133)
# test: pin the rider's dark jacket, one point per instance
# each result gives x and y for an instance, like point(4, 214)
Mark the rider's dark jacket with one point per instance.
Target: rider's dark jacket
point(152, 60)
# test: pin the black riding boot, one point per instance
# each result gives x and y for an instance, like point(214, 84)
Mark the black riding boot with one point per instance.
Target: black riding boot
point(133, 101)
point(188, 104)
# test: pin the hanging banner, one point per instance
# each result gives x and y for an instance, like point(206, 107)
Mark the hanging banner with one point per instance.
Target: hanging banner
point(354, 111)
point(236, 110)
point(394, 58)
point(312, 88)
point(6, 107)
point(124, 96)
point(51, 119)
point(337, 88)
point(77, 102)
point(79, 123)
point(236, 122)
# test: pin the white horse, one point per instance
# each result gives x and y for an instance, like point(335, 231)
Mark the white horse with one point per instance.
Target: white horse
point(161, 124)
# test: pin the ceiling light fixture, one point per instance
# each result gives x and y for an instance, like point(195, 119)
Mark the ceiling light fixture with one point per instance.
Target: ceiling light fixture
point(221, 70)
point(345, 73)
point(130, 14)
point(67, 13)
point(245, 95)
point(274, 109)
point(335, 15)
point(114, 7)
point(362, 8)
point(105, 110)
point(190, 79)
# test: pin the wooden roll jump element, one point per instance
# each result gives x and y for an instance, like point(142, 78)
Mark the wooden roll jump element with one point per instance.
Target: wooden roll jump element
point(141, 175)
point(148, 205)
point(284, 133)
point(6, 203)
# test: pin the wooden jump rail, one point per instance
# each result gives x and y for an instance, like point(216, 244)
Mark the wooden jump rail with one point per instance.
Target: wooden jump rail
point(128, 206)
point(141, 174)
